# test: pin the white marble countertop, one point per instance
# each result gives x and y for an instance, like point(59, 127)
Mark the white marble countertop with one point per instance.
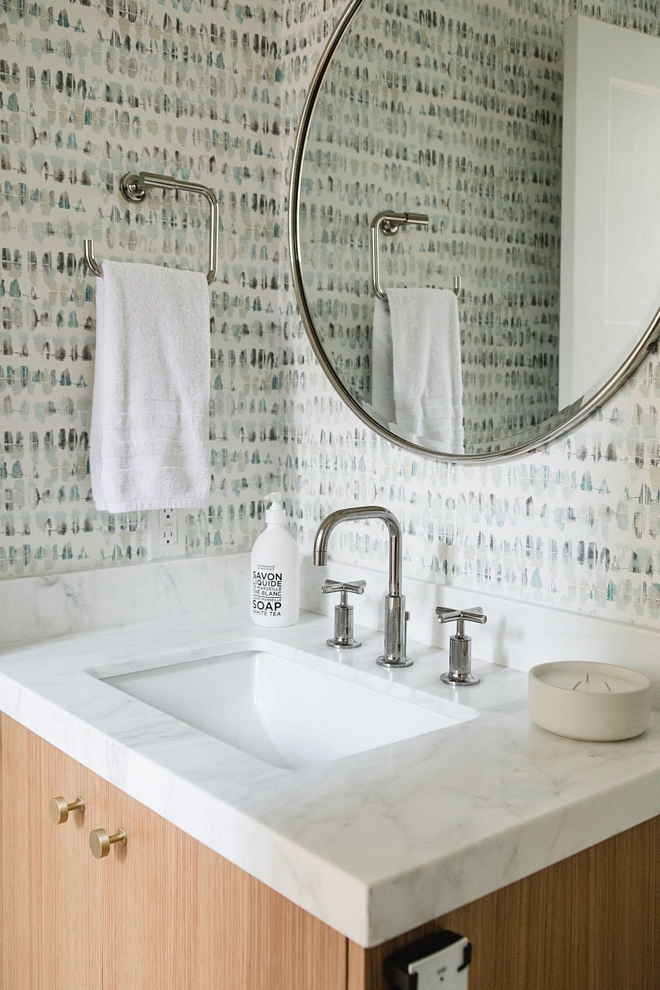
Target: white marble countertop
point(372, 844)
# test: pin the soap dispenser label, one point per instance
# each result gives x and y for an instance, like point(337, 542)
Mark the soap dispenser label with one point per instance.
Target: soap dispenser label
point(266, 591)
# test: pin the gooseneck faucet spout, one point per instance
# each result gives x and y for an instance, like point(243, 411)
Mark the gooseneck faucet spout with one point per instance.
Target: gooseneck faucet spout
point(396, 616)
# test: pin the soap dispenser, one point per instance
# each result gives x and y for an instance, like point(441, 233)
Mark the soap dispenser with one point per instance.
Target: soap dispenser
point(275, 571)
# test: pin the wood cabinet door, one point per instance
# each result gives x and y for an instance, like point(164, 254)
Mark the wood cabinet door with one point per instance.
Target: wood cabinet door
point(150, 901)
point(51, 893)
point(163, 911)
point(178, 915)
point(252, 938)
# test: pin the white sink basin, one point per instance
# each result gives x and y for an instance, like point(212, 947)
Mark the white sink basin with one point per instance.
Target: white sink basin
point(270, 703)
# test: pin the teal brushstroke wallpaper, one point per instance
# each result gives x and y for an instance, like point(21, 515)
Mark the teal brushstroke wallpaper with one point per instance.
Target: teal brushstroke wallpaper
point(212, 92)
point(90, 91)
point(574, 526)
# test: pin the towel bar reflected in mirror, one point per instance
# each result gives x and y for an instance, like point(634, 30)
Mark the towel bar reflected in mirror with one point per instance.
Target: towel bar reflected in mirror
point(388, 223)
point(134, 186)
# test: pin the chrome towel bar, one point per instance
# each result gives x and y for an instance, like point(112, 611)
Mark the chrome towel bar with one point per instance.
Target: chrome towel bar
point(388, 223)
point(133, 187)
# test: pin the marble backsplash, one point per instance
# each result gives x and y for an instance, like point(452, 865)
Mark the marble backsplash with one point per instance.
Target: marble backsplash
point(517, 635)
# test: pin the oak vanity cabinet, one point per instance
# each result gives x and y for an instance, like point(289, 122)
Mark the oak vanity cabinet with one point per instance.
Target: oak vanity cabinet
point(167, 913)
point(51, 893)
point(162, 913)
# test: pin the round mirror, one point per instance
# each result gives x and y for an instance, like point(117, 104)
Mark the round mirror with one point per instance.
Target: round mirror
point(474, 221)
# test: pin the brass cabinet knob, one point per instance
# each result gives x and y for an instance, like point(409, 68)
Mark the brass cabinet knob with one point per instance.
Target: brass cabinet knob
point(100, 841)
point(59, 809)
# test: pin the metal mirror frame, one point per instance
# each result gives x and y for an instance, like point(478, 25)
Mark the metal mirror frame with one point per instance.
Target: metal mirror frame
point(550, 430)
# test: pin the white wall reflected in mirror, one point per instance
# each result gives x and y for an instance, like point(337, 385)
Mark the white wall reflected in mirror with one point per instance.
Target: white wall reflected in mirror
point(610, 275)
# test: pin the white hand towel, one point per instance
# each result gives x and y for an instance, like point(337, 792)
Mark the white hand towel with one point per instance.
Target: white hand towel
point(426, 360)
point(382, 374)
point(150, 407)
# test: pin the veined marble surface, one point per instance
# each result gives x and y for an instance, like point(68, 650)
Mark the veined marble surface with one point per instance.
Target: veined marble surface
point(372, 844)
point(37, 607)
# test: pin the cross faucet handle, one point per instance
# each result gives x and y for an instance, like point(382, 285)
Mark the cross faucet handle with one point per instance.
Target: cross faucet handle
point(460, 616)
point(343, 638)
point(354, 587)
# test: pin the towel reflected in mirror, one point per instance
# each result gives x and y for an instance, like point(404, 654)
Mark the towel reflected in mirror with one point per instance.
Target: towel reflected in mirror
point(416, 366)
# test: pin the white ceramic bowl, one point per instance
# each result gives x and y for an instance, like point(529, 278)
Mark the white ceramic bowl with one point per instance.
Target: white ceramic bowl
point(582, 699)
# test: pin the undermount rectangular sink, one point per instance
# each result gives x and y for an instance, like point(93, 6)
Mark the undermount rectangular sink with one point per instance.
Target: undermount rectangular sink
point(271, 704)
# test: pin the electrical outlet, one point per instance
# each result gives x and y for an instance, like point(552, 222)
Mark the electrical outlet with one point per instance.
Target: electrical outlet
point(168, 527)
point(436, 962)
point(443, 970)
point(167, 537)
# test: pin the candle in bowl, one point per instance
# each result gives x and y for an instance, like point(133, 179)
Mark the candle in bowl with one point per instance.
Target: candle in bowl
point(587, 700)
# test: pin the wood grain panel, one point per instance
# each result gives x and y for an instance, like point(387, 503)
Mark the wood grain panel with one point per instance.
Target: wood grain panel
point(50, 899)
point(252, 938)
point(163, 912)
point(182, 916)
point(590, 922)
point(150, 906)
point(71, 885)
point(23, 961)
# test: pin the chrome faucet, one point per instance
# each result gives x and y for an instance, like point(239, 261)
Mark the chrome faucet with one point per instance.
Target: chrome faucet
point(396, 616)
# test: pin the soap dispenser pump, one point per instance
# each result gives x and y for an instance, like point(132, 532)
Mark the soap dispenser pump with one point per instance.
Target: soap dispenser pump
point(275, 571)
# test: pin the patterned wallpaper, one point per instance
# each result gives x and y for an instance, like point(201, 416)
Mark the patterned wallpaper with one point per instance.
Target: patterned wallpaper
point(89, 91)
point(575, 526)
point(213, 92)
point(458, 118)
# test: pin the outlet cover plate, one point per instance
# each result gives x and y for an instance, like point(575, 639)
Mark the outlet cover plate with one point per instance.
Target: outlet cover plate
point(166, 533)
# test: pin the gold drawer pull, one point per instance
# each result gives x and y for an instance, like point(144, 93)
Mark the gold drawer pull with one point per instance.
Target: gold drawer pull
point(100, 841)
point(59, 809)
